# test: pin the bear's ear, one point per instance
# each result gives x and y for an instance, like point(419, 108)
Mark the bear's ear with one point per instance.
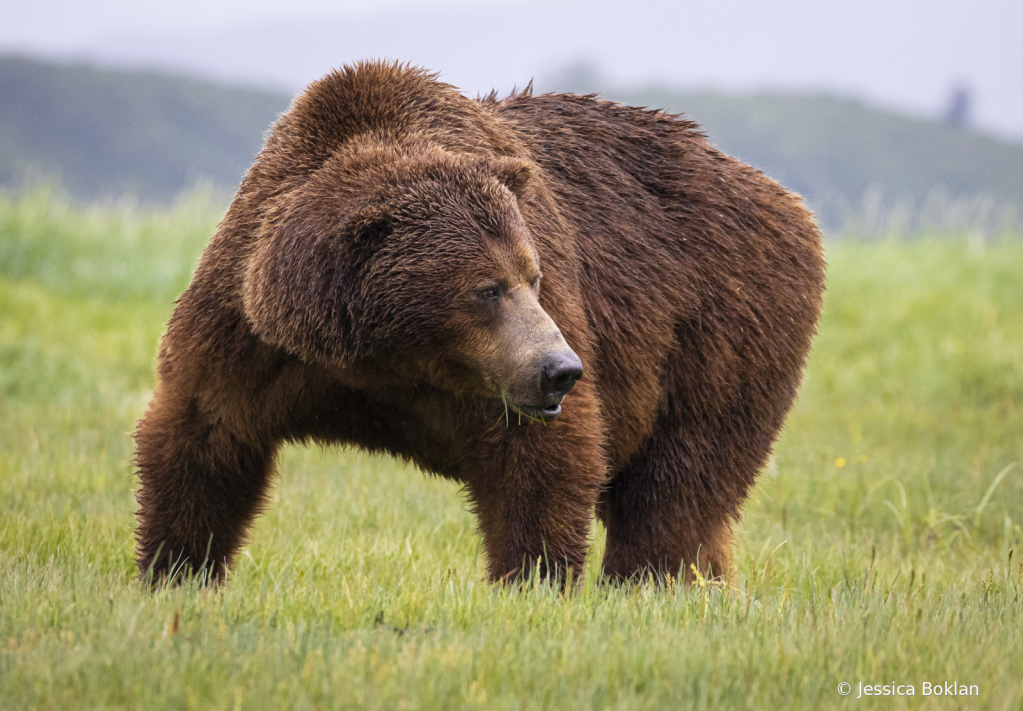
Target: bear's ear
point(303, 276)
point(513, 173)
point(368, 226)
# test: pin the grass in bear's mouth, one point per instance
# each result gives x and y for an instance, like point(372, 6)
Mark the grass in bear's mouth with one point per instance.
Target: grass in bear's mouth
point(530, 419)
point(504, 399)
point(362, 585)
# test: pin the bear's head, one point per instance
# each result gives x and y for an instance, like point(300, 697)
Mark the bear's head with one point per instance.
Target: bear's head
point(413, 262)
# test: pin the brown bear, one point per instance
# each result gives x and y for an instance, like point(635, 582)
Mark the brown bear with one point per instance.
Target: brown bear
point(411, 271)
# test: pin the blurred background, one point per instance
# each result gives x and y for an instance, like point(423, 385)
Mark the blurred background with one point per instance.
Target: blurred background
point(887, 115)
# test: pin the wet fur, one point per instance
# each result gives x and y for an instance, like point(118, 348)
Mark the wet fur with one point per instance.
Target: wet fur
point(688, 283)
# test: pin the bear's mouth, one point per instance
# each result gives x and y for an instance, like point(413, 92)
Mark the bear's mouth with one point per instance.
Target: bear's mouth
point(545, 414)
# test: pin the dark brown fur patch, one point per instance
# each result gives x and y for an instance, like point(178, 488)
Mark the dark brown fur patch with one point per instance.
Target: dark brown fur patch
point(334, 304)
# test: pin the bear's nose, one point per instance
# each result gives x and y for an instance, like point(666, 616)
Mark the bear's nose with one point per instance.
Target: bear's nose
point(559, 373)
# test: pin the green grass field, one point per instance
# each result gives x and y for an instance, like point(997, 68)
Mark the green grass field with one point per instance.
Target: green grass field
point(877, 548)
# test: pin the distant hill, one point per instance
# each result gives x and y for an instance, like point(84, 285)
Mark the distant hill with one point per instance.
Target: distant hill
point(105, 133)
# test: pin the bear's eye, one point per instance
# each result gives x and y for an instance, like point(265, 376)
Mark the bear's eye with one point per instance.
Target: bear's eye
point(534, 282)
point(491, 293)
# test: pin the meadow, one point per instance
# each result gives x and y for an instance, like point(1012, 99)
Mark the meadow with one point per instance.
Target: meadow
point(882, 545)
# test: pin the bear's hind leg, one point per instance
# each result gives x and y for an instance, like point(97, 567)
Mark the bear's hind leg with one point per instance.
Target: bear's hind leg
point(201, 486)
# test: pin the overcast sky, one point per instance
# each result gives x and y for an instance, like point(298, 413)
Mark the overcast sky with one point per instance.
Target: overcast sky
point(903, 54)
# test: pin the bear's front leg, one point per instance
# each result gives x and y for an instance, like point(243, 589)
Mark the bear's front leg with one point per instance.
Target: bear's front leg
point(665, 516)
point(201, 486)
point(535, 493)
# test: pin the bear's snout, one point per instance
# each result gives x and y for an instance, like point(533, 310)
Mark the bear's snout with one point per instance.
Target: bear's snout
point(558, 374)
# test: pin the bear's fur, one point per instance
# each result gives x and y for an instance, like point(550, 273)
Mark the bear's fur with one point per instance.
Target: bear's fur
point(374, 283)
